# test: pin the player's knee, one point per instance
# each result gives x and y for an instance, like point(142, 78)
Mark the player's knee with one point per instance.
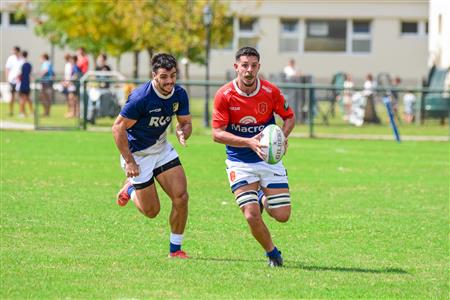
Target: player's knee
point(282, 216)
point(280, 206)
point(253, 217)
point(151, 212)
point(181, 200)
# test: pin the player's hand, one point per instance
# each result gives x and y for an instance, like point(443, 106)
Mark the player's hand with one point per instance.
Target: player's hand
point(132, 169)
point(180, 135)
point(255, 145)
point(286, 144)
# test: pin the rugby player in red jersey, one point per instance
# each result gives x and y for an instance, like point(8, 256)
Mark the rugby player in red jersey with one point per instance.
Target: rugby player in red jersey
point(242, 109)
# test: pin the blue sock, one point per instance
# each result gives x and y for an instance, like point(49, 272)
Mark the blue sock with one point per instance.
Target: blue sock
point(130, 190)
point(174, 248)
point(273, 253)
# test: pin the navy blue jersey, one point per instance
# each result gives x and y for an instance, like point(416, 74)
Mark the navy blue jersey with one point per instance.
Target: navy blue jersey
point(25, 77)
point(153, 113)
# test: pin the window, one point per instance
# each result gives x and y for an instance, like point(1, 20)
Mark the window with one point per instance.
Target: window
point(410, 28)
point(248, 35)
point(289, 36)
point(326, 35)
point(17, 19)
point(361, 38)
point(414, 28)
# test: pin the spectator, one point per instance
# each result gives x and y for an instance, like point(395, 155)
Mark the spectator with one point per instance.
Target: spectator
point(347, 96)
point(23, 85)
point(12, 69)
point(409, 104)
point(102, 66)
point(370, 114)
point(82, 60)
point(47, 74)
point(73, 88)
point(290, 72)
point(67, 80)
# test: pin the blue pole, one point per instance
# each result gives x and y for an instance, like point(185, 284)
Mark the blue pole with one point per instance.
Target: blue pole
point(387, 103)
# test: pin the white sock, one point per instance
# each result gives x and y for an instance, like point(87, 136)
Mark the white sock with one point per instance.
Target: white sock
point(176, 239)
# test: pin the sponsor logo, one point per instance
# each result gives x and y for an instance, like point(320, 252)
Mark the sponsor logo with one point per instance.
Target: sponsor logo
point(249, 129)
point(248, 120)
point(154, 110)
point(175, 107)
point(232, 176)
point(235, 108)
point(262, 107)
point(267, 89)
point(159, 121)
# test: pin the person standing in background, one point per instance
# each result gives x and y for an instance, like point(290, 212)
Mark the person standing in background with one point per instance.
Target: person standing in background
point(23, 85)
point(82, 60)
point(46, 73)
point(12, 68)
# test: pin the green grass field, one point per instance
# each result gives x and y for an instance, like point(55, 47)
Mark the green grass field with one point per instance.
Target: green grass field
point(370, 220)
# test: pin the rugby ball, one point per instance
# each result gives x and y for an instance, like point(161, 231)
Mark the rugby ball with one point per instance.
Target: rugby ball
point(272, 142)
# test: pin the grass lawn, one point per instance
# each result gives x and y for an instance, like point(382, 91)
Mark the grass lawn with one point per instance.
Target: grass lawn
point(369, 220)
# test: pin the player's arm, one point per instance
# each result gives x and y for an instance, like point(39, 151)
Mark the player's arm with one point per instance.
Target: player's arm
point(223, 137)
point(288, 125)
point(119, 129)
point(183, 128)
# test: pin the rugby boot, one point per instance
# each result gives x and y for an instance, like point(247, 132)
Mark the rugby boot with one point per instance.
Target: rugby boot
point(276, 261)
point(178, 254)
point(123, 197)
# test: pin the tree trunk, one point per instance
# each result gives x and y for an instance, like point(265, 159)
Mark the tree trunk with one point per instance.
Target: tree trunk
point(150, 56)
point(118, 62)
point(187, 77)
point(136, 64)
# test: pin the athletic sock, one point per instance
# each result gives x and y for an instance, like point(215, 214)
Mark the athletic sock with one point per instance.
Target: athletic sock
point(175, 242)
point(273, 253)
point(130, 190)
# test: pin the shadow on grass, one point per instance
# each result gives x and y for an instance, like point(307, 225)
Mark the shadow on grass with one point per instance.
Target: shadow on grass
point(294, 265)
point(345, 269)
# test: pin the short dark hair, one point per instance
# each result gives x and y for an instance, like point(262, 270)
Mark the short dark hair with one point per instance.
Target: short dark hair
point(25, 54)
point(45, 56)
point(247, 51)
point(16, 48)
point(163, 60)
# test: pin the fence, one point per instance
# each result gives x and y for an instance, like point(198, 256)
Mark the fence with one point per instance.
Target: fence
point(322, 109)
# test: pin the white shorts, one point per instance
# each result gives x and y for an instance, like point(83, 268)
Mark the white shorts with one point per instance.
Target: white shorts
point(149, 162)
point(268, 176)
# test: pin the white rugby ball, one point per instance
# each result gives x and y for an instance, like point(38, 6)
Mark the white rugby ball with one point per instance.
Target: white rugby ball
point(272, 140)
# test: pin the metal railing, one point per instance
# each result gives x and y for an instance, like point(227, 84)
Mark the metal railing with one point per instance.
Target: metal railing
point(312, 102)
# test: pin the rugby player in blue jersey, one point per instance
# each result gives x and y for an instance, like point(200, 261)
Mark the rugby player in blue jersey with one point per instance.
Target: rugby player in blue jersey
point(140, 135)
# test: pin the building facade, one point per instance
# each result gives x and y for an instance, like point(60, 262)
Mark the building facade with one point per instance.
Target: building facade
point(324, 37)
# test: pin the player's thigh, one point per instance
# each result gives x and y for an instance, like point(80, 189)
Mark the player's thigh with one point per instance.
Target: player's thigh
point(173, 182)
point(147, 198)
point(278, 203)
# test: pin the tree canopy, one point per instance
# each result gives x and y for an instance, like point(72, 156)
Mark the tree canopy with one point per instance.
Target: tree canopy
point(119, 26)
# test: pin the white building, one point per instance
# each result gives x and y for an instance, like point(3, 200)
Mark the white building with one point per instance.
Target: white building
point(324, 37)
point(439, 39)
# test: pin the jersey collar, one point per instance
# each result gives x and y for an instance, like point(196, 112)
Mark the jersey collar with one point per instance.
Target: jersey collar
point(240, 92)
point(161, 95)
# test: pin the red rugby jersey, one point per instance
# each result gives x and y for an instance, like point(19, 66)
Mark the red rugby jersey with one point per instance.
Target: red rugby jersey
point(247, 114)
